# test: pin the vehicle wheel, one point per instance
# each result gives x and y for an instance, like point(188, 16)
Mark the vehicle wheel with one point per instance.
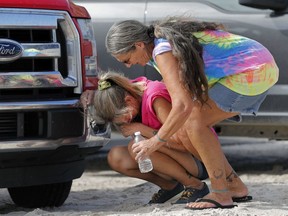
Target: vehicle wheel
point(37, 196)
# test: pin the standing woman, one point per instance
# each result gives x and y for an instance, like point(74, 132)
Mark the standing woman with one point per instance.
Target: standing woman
point(211, 75)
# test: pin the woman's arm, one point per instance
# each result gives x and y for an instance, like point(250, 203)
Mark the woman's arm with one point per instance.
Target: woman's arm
point(130, 128)
point(162, 108)
point(181, 99)
point(182, 105)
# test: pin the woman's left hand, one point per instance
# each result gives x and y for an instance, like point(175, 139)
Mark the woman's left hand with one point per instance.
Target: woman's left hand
point(145, 148)
point(86, 98)
point(129, 128)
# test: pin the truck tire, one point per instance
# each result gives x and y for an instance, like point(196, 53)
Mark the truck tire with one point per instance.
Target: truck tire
point(37, 196)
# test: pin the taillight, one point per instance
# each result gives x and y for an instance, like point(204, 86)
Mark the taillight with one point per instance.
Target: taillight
point(89, 53)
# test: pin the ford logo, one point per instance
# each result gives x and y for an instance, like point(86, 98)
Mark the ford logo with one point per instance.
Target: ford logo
point(10, 50)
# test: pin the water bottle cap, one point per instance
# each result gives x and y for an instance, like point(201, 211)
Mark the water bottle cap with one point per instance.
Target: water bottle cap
point(137, 133)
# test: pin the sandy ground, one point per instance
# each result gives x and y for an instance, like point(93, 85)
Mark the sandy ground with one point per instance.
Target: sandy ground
point(109, 193)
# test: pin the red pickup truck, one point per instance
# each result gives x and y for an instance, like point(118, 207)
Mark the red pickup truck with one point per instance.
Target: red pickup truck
point(47, 59)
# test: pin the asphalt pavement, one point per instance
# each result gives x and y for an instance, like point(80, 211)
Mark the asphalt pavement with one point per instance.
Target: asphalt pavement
point(243, 153)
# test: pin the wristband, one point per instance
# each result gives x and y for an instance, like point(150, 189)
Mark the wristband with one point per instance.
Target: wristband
point(219, 191)
point(159, 139)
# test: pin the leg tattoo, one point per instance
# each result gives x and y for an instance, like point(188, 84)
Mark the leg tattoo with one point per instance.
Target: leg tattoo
point(189, 175)
point(231, 176)
point(218, 174)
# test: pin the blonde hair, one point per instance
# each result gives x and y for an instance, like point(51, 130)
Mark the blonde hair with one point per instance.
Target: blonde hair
point(110, 101)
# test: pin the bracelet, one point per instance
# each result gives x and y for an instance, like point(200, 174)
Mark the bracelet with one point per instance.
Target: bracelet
point(159, 139)
point(219, 191)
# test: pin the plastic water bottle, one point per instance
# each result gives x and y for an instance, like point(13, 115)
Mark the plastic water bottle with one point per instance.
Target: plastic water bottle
point(145, 164)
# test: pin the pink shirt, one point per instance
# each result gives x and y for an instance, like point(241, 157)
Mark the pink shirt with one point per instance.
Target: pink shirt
point(154, 89)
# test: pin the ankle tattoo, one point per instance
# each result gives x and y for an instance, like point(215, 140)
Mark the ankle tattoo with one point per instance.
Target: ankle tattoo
point(189, 175)
point(218, 174)
point(232, 175)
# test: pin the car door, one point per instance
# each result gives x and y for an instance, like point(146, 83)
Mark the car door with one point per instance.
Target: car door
point(265, 26)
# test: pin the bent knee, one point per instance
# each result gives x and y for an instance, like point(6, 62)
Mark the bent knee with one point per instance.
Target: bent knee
point(119, 158)
point(116, 156)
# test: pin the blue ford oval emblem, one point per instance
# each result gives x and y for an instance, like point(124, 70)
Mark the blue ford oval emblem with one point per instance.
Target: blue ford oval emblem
point(10, 50)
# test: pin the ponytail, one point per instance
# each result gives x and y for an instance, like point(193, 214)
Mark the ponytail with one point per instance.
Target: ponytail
point(112, 89)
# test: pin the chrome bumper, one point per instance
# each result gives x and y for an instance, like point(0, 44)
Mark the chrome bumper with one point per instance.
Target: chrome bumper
point(88, 139)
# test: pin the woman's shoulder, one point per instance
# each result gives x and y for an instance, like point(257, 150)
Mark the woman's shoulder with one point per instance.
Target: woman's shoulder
point(158, 41)
point(139, 79)
point(161, 45)
point(155, 87)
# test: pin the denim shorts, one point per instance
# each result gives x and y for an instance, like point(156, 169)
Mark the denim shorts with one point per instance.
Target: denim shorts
point(202, 172)
point(230, 101)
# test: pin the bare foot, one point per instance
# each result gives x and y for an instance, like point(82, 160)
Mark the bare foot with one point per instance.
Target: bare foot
point(223, 199)
point(235, 185)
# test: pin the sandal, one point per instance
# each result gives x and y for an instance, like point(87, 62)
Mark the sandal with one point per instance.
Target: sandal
point(216, 205)
point(191, 194)
point(202, 172)
point(163, 195)
point(242, 199)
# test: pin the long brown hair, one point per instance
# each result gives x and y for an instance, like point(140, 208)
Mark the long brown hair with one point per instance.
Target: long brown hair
point(185, 47)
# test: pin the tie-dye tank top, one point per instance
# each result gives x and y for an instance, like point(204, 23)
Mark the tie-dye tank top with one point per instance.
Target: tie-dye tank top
point(239, 63)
